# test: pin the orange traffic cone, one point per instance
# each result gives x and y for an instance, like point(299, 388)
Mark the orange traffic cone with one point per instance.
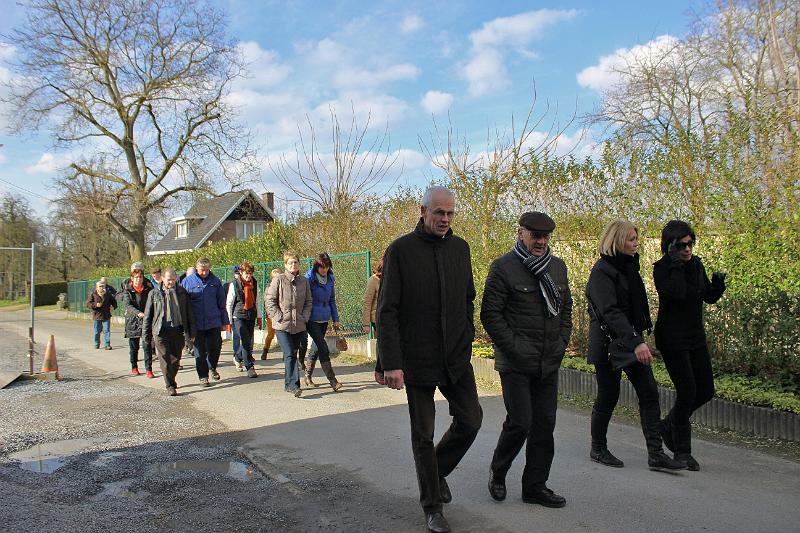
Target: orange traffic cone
point(50, 363)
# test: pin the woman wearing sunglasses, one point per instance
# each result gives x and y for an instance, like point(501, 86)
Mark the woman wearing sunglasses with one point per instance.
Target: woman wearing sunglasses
point(683, 286)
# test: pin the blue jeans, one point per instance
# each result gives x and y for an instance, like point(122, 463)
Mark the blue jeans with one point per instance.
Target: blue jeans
point(243, 332)
point(105, 325)
point(235, 338)
point(290, 343)
point(207, 345)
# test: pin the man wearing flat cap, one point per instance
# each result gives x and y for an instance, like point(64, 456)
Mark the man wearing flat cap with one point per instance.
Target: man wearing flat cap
point(527, 311)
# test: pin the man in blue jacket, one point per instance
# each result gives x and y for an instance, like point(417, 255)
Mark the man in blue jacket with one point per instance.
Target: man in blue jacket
point(211, 317)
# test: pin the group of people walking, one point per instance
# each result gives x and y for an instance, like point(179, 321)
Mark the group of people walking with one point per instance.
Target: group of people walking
point(164, 316)
point(420, 299)
point(425, 318)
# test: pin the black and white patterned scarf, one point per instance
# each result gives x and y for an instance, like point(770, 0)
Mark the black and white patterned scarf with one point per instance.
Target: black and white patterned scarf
point(540, 268)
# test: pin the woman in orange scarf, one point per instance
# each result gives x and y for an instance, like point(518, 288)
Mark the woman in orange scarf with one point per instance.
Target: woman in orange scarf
point(242, 306)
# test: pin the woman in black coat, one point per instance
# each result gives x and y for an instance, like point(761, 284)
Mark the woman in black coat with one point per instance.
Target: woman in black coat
point(683, 286)
point(134, 296)
point(620, 314)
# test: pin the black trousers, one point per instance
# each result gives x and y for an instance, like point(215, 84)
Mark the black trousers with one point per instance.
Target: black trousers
point(531, 404)
point(641, 377)
point(133, 352)
point(169, 347)
point(434, 462)
point(693, 377)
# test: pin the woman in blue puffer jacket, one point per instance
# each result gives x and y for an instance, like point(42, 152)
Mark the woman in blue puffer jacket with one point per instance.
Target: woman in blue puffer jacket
point(323, 309)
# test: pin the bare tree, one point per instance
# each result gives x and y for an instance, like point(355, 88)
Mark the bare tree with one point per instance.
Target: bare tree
point(486, 182)
point(338, 180)
point(139, 87)
point(722, 101)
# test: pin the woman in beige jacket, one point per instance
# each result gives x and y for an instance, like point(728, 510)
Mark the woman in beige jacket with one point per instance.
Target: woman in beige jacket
point(370, 305)
point(288, 303)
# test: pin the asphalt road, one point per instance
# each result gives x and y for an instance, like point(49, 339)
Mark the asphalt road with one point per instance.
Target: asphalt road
point(363, 434)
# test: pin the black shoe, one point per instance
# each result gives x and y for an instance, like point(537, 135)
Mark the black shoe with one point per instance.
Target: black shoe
point(437, 523)
point(497, 489)
point(691, 462)
point(108, 347)
point(444, 491)
point(96, 346)
point(171, 391)
point(215, 374)
point(605, 457)
point(546, 497)
point(659, 461)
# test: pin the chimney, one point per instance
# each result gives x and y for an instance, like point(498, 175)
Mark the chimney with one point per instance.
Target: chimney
point(269, 199)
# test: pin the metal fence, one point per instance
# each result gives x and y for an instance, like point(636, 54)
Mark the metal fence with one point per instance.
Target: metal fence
point(351, 272)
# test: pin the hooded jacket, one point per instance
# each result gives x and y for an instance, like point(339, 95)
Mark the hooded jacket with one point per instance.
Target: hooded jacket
point(323, 298)
point(208, 301)
point(288, 302)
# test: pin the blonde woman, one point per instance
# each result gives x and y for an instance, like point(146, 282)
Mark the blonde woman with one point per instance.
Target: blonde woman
point(288, 303)
point(620, 314)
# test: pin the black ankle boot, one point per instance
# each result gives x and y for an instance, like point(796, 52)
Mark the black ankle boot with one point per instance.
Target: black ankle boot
point(604, 457)
point(682, 436)
point(660, 461)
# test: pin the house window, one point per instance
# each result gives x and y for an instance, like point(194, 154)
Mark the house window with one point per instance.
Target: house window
point(247, 228)
point(182, 229)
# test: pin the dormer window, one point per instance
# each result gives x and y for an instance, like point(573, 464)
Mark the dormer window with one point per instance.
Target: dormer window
point(182, 229)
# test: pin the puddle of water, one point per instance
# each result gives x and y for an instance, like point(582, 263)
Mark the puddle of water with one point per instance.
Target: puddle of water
point(234, 469)
point(120, 489)
point(48, 457)
point(105, 458)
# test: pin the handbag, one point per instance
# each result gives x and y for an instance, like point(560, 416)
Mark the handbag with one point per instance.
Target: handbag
point(341, 344)
point(618, 355)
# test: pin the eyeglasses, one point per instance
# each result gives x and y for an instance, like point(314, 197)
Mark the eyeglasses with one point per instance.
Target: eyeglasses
point(539, 235)
point(683, 245)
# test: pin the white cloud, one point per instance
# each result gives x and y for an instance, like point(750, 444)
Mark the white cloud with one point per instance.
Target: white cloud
point(411, 159)
point(411, 23)
point(264, 68)
point(379, 108)
point(7, 53)
point(605, 74)
point(436, 102)
point(47, 164)
point(359, 78)
point(485, 71)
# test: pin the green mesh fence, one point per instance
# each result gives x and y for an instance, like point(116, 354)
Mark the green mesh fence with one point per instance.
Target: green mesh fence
point(350, 270)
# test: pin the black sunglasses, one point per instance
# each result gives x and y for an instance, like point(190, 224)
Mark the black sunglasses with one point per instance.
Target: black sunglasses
point(683, 245)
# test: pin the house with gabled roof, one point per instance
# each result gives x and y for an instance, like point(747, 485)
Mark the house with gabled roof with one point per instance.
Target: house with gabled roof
point(233, 215)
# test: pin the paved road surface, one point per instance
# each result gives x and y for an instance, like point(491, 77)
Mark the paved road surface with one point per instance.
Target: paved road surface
point(364, 431)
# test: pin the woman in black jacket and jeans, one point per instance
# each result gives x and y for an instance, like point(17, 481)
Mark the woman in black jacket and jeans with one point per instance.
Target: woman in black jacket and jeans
point(683, 286)
point(616, 293)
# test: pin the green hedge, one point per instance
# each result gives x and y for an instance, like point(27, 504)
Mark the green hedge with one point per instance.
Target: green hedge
point(735, 388)
point(47, 293)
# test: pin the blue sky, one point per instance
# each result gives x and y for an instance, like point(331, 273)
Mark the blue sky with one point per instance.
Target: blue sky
point(405, 62)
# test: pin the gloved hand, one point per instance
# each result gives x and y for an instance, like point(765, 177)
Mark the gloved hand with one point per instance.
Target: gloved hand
point(718, 278)
point(673, 252)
